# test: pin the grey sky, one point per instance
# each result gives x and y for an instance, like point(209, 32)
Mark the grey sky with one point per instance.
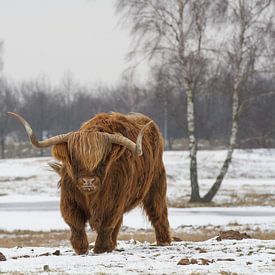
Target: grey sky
point(57, 37)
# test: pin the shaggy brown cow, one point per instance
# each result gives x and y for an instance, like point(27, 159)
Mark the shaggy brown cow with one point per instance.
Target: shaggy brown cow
point(105, 174)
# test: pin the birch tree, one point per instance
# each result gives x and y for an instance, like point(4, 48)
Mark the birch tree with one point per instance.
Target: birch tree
point(174, 31)
point(183, 35)
point(248, 53)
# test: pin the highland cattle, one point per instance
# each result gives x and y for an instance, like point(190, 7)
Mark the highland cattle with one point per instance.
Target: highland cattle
point(111, 165)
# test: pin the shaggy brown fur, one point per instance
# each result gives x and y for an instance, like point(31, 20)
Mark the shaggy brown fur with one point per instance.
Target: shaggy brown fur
point(101, 181)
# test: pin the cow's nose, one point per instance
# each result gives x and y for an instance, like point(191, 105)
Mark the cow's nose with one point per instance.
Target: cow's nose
point(88, 181)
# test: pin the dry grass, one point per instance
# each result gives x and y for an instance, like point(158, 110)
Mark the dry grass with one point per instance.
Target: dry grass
point(56, 238)
point(61, 238)
point(247, 199)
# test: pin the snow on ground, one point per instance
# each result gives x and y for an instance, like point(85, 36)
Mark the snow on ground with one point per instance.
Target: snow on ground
point(29, 200)
point(30, 176)
point(50, 219)
point(251, 176)
point(247, 256)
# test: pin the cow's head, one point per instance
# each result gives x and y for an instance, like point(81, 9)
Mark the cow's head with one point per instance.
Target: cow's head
point(88, 184)
point(82, 152)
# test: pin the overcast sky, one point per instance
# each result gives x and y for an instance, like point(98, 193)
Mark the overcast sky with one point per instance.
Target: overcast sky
point(59, 37)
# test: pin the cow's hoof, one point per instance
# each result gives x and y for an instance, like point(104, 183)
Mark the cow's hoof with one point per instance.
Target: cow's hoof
point(163, 243)
point(81, 248)
point(99, 250)
point(81, 251)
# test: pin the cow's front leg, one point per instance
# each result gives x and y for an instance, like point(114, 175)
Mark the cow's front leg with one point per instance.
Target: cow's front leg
point(107, 236)
point(104, 241)
point(75, 217)
point(79, 240)
point(107, 231)
point(107, 218)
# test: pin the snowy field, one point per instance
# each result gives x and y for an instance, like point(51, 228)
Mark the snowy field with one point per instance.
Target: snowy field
point(29, 200)
point(131, 257)
point(22, 217)
point(250, 180)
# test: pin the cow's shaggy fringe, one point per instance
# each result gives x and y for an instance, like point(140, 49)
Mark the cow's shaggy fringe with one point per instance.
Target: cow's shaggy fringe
point(88, 148)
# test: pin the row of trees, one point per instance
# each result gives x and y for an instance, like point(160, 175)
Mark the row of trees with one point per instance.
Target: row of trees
point(53, 110)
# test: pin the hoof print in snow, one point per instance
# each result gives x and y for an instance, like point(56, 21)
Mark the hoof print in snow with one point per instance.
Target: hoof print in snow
point(56, 253)
point(232, 235)
point(44, 254)
point(23, 256)
point(119, 249)
point(2, 257)
point(226, 260)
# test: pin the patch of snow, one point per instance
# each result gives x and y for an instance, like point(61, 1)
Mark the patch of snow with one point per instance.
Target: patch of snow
point(242, 257)
point(30, 176)
point(34, 220)
point(51, 219)
point(27, 199)
point(253, 171)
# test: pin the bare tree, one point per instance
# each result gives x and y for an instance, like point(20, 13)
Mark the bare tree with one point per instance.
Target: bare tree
point(37, 106)
point(8, 101)
point(175, 31)
point(250, 52)
point(182, 35)
point(165, 94)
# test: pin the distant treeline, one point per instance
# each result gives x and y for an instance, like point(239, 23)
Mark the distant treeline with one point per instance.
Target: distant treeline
point(53, 110)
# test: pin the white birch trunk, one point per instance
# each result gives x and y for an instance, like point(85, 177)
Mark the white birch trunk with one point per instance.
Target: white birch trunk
point(195, 193)
point(232, 144)
point(235, 109)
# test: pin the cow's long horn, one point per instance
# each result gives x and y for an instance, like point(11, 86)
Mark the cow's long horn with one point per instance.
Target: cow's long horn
point(134, 147)
point(40, 144)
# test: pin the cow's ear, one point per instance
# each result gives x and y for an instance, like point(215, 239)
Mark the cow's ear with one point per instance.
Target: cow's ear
point(57, 167)
point(60, 152)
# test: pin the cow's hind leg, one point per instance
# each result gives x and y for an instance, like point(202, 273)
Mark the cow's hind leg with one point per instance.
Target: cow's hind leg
point(75, 217)
point(155, 206)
